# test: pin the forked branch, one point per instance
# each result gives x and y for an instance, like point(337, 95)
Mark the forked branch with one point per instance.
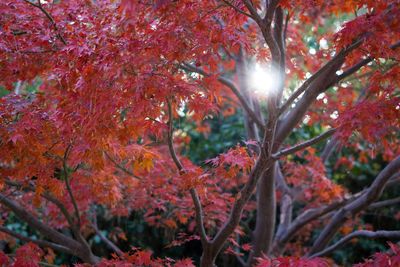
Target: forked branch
point(50, 17)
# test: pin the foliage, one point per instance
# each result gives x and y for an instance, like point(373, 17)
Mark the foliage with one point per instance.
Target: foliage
point(131, 126)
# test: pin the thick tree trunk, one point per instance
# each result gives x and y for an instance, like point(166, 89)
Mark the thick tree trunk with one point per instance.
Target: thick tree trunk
point(207, 258)
point(266, 217)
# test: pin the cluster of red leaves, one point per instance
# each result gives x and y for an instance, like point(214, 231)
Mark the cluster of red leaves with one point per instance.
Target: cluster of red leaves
point(28, 255)
point(384, 259)
point(378, 26)
point(143, 258)
point(293, 262)
point(309, 178)
point(163, 192)
point(104, 75)
point(376, 117)
point(231, 163)
point(380, 19)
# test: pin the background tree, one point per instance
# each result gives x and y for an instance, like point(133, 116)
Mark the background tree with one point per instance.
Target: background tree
point(102, 98)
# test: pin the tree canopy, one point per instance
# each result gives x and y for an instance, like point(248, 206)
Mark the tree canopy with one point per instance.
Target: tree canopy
point(262, 132)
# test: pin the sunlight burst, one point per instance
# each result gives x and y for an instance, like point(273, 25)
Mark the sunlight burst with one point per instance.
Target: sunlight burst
point(263, 80)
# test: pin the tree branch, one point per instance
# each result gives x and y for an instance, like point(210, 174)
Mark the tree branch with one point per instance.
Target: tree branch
point(334, 61)
point(330, 146)
point(302, 220)
point(261, 165)
point(172, 151)
point(270, 10)
point(317, 83)
point(395, 179)
point(281, 183)
point(303, 145)
point(237, 9)
point(351, 70)
point(107, 241)
point(47, 14)
point(46, 196)
point(122, 168)
point(279, 36)
point(385, 203)
point(39, 242)
point(356, 234)
point(181, 169)
point(68, 186)
point(362, 202)
point(45, 230)
point(315, 213)
point(253, 11)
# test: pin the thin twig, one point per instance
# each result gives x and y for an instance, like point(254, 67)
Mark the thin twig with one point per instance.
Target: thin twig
point(122, 168)
point(66, 179)
point(237, 9)
point(47, 14)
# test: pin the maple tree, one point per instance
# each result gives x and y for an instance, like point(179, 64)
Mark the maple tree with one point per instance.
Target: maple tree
point(100, 131)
